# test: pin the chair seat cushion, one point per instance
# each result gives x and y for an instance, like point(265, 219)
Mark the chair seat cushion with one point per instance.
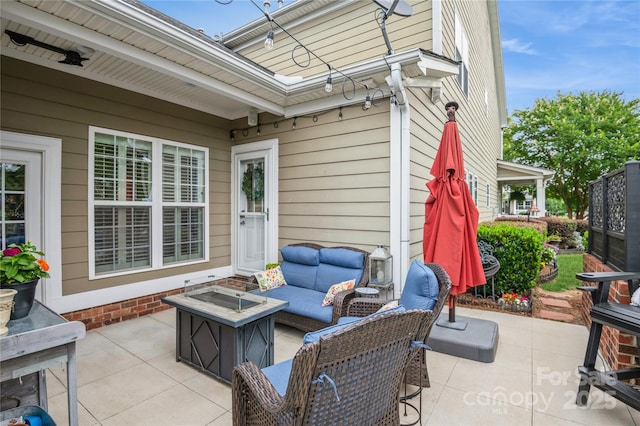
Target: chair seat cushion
point(278, 374)
point(303, 301)
point(420, 288)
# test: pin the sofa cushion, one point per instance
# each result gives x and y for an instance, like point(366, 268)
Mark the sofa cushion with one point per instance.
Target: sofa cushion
point(300, 265)
point(303, 302)
point(301, 254)
point(342, 257)
point(278, 374)
point(270, 278)
point(420, 288)
point(335, 289)
point(337, 265)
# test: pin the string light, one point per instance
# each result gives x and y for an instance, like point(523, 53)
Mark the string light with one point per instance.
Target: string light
point(340, 114)
point(294, 122)
point(329, 86)
point(268, 42)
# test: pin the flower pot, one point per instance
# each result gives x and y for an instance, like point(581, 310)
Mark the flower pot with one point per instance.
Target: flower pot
point(23, 300)
point(6, 304)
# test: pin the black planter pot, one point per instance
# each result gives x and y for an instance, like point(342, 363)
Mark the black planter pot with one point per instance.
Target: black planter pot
point(23, 300)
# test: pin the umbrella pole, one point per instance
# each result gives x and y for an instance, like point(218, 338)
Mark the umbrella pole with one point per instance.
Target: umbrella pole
point(452, 309)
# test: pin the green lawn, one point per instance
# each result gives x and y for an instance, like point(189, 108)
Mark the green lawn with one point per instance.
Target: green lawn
point(568, 266)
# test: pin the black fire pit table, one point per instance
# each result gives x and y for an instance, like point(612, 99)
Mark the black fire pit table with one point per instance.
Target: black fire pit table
point(219, 327)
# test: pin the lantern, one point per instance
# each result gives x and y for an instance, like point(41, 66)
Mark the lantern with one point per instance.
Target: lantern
point(380, 267)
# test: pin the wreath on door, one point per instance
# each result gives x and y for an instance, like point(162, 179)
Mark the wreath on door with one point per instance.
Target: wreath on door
point(253, 182)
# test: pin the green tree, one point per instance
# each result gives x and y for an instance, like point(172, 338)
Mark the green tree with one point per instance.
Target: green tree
point(580, 137)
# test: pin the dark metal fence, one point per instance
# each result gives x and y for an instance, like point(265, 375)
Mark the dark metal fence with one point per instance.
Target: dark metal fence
point(614, 218)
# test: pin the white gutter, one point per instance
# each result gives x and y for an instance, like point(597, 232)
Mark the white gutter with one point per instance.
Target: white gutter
point(399, 127)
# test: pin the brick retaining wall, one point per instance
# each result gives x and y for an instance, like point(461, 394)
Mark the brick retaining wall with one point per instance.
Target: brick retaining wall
point(618, 349)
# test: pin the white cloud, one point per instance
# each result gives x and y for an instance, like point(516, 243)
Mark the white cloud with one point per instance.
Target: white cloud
point(516, 46)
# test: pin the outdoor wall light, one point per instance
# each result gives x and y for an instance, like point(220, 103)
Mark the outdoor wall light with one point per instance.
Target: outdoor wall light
point(268, 42)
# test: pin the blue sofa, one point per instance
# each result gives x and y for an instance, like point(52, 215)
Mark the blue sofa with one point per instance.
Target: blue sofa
point(309, 270)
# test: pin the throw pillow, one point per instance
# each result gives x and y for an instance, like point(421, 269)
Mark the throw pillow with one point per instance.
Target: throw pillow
point(335, 289)
point(271, 278)
point(391, 305)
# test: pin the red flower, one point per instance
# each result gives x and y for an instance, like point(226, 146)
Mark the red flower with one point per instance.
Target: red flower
point(11, 251)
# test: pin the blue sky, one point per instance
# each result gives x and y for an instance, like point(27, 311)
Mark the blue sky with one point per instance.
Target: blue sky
point(548, 47)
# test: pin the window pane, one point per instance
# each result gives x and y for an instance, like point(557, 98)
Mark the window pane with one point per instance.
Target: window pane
point(182, 234)
point(182, 175)
point(122, 168)
point(122, 238)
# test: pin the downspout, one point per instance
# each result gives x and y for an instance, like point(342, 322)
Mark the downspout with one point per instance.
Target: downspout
point(399, 180)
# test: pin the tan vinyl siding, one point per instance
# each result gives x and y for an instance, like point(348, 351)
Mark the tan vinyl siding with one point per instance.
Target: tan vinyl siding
point(45, 102)
point(354, 37)
point(333, 176)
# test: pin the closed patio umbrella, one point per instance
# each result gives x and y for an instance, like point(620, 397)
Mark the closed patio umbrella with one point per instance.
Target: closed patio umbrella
point(451, 217)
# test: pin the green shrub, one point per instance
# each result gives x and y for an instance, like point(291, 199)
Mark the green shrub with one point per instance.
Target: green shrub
point(518, 249)
point(272, 265)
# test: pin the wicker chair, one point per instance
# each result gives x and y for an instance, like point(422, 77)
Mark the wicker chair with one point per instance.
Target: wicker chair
point(417, 373)
point(351, 376)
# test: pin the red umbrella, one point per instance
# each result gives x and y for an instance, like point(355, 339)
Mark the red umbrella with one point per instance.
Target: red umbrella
point(451, 217)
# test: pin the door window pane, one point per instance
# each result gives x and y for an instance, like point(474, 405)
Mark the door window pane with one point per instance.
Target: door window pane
point(12, 200)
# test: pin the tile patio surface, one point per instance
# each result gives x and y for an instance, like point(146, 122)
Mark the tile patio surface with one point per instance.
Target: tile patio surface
point(127, 375)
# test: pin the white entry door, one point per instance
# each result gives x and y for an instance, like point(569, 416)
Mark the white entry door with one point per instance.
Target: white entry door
point(20, 200)
point(254, 201)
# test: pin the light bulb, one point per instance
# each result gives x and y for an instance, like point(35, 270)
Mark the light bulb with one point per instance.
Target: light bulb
point(367, 102)
point(294, 122)
point(340, 114)
point(328, 87)
point(268, 42)
point(267, 6)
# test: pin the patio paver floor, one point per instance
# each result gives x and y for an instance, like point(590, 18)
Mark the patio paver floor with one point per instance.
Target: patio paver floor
point(127, 374)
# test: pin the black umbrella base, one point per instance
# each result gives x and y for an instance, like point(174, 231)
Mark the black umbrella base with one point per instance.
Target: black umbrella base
point(469, 338)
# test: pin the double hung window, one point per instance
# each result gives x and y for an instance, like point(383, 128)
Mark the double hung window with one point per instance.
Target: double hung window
point(462, 55)
point(148, 204)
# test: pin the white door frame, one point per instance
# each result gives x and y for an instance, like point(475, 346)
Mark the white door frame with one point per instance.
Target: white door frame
point(271, 189)
point(51, 190)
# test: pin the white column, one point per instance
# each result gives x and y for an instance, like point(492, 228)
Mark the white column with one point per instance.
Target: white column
point(541, 199)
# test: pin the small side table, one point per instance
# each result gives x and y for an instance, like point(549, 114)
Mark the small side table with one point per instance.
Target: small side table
point(388, 287)
point(367, 292)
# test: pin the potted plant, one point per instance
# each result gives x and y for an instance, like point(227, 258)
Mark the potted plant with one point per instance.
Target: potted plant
point(21, 267)
point(253, 186)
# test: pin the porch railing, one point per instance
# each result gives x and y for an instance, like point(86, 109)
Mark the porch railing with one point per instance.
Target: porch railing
point(614, 218)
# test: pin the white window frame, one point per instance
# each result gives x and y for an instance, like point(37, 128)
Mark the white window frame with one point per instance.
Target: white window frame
point(156, 204)
point(488, 196)
point(462, 54)
point(472, 182)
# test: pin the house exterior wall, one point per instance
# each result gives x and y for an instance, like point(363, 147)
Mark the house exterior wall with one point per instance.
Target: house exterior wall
point(45, 102)
point(333, 176)
point(355, 37)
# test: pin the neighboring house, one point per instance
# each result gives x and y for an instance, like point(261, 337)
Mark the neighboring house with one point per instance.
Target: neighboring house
point(138, 159)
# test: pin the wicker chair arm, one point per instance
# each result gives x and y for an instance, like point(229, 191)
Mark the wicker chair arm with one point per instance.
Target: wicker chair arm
point(247, 377)
point(341, 304)
point(363, 306)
